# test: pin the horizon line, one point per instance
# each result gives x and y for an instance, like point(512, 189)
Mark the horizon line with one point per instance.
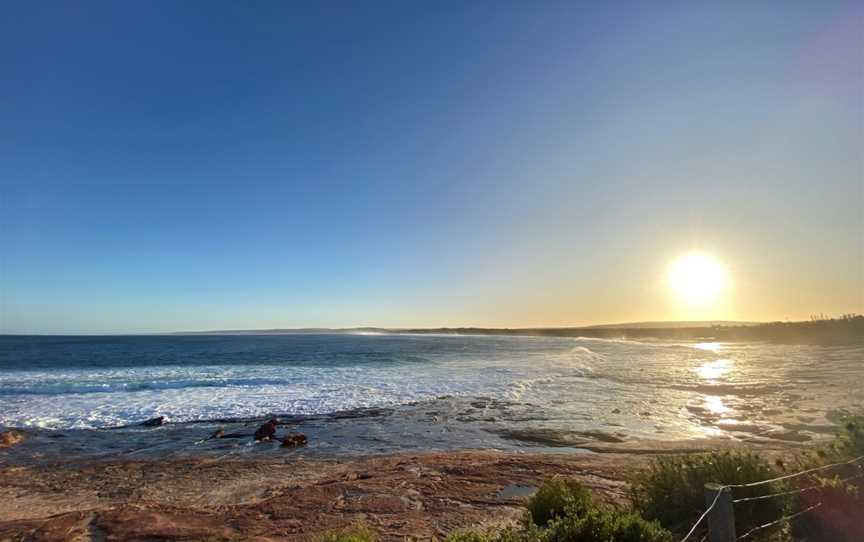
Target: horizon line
point(311, 330)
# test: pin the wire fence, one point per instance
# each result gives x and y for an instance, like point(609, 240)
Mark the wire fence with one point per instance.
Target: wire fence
point(780, 521)
point(722, 490)
point(702, 517)
point(797, 474)
point(795, 491)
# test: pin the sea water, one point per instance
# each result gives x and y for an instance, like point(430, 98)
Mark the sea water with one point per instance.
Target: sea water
point(453, 391)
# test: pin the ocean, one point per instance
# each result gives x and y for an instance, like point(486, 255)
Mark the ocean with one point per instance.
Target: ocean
point(356, 393)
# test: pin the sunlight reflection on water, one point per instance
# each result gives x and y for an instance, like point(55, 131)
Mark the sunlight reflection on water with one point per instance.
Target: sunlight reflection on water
point(715, 405)
point(465, 390)
point(713, 370)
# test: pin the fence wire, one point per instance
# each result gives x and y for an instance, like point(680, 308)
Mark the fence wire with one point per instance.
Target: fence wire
point(721, 489)
point(802, 473)
point(794, 491)
point(784, 519)
point(704, 514)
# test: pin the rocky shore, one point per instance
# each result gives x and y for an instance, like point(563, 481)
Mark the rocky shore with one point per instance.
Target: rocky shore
point(294, 497)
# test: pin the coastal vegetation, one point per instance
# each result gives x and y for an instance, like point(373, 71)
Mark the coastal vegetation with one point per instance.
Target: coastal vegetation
point(554, 498)
point(563, 510)
point(822, 330)
point(667, 498)
point(846, 329)
point(671, 490)
point(353, 534)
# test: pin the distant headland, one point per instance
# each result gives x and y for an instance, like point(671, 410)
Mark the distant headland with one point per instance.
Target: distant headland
point(847, 329)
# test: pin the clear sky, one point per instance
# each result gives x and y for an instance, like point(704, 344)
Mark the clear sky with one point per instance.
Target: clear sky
point(205, 165)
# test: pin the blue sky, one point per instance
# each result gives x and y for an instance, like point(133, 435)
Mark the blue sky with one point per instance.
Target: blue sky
point(204, 165)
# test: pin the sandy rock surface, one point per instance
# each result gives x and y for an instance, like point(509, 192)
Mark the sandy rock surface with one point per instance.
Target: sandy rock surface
point(289, 499)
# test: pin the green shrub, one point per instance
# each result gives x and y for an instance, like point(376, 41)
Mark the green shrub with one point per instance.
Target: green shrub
point(840, 490)
point(605, 525)
point(854, 435)
point(469, 536)
point(354, 534)
point(837, 517)
point(593, 524)
point(525, 533)
point(849, 443)
point(556, 497)
point(563, 510)
point(672, 490)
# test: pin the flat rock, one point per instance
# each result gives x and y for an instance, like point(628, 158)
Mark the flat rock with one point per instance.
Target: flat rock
point(273, 499)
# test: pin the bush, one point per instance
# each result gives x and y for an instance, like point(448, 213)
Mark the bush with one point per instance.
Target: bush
point(563, 510)
point(840, 493)
point(354, 534)
point(469, 536)
point(837, 517)
point(849, 443)
point(555, 497)
point(606, 525)
point(526, 533)
point(854, 435)
point(672, 490)
point(593, 524)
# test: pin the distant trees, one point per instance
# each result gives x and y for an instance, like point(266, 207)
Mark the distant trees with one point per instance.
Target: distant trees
point(822, 317)
point(820, 329)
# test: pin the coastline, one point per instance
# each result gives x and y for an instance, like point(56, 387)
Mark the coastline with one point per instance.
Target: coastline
point(294, 497)
point(846, 330)
point(423, 462)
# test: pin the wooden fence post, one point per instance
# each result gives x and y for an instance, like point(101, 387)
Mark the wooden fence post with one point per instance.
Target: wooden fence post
point(721, 518)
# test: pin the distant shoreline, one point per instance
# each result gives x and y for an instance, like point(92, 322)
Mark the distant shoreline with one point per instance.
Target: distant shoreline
point(848, 330)
point(827, 332)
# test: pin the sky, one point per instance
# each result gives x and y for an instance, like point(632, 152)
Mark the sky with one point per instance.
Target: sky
point(224, 165)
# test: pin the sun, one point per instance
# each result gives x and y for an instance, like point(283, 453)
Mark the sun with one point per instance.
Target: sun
point(698, 278)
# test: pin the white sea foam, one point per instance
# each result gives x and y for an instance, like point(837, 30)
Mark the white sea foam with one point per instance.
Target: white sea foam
point(645, 389)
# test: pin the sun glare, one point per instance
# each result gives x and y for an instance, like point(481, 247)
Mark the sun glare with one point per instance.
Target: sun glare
point(698, 278)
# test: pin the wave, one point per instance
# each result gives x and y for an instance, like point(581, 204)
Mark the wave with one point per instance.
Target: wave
point(129, 387)
point(635, 384)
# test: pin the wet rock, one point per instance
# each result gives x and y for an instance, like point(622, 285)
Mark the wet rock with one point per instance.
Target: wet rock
point(219, 433)
point(10, 438)
point(601, 436)
point(266, 431)
point(369, 412)
point(790, 436)
point(516, 491)
point(541, 436)
point(154, 422)
point(558, 438)
point(294, 440)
